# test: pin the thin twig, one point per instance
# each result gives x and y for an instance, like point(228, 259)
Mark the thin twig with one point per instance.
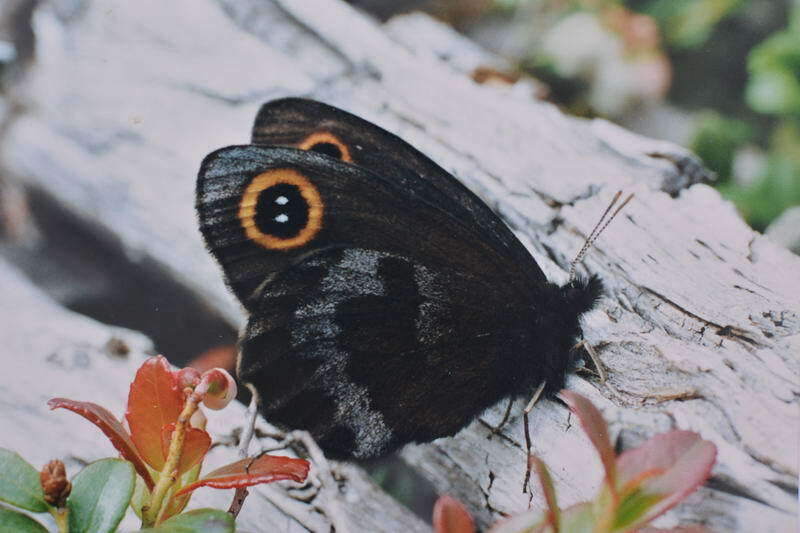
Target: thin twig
point(244, 445)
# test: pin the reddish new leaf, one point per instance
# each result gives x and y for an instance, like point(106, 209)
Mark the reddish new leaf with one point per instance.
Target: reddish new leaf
point(111, 427)
point(596, 429)
point(154, 401)
point(247, 472)
point(683, 459)
point(450, 516)
point(195, 445)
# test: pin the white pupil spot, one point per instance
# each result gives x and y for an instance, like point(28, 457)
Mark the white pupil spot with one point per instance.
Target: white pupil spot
point(281, 200)
point(282, 218)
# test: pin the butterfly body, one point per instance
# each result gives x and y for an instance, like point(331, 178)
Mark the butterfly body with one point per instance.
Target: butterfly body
point(387, 304)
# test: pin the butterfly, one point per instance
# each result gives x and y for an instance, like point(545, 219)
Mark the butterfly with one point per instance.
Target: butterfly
point(386, 302)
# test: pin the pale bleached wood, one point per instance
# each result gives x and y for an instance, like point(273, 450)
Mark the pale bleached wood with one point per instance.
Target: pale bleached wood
point(123, 108)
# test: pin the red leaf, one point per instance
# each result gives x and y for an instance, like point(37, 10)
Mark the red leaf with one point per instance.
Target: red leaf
point(247, 472)
point(111, 427)
point(596, 429)
point(195, 445)
point(450, 516)
point(154, 401)
point(684, 459)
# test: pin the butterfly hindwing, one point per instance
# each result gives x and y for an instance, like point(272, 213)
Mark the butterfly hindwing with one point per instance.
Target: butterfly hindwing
point(365, 349)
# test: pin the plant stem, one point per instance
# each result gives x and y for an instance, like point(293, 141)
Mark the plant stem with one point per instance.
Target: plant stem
point(169, 473)
point(244, 444)
point(61, 516)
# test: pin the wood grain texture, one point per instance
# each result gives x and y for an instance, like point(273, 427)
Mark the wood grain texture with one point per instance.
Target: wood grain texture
point(700, 328)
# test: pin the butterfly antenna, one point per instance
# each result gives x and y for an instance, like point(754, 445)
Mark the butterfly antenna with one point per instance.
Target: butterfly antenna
point(601, 225)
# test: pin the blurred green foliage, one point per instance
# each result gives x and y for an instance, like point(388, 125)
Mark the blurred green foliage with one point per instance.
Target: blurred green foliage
point(717, 139)
point(778, 185)
point(772, 90)
point(687, 23)
point(774, 68)
point(736, 66)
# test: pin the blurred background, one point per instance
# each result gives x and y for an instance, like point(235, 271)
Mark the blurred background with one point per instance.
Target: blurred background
point(721, 77)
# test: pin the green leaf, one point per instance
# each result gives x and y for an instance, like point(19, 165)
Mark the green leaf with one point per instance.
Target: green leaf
point(197, 521)
point(19, 523)
point(19, 483)
point(634, 506)
point(100, 496)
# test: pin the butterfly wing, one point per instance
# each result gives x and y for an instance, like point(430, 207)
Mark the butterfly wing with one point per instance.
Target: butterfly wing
point(315, 126)
point(391, 320)
point(369, 350)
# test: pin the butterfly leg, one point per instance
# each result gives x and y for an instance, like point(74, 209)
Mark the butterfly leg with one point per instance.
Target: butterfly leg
point(601, 370)
point(535, 398)
point(496, 429)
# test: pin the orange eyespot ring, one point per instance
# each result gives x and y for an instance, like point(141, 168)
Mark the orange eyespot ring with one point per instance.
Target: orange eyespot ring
point(249, 204)
point(326, 138)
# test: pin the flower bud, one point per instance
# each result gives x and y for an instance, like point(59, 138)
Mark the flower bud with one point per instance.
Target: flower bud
point(217, 388)
point(188, 377)
point(55, 484)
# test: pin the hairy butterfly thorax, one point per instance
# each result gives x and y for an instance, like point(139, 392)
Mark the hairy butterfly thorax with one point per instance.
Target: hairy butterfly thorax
point(386, 302)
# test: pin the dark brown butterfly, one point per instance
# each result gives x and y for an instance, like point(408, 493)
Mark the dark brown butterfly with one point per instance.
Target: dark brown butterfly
point(387, 303)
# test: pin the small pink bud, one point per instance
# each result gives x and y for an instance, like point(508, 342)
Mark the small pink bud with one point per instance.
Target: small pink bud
point(217, 388)
point(188, 377)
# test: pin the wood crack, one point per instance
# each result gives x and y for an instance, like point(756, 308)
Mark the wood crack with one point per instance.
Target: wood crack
point(729, 331)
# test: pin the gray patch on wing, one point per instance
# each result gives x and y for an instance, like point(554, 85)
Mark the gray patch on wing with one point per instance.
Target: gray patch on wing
point(433, 317)
point(354, 407)
point(355, 274)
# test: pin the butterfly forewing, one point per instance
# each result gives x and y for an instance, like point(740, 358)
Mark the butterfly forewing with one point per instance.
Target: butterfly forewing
point(319, 127)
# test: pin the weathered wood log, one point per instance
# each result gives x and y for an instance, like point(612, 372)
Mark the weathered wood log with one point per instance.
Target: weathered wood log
point(699, 328)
